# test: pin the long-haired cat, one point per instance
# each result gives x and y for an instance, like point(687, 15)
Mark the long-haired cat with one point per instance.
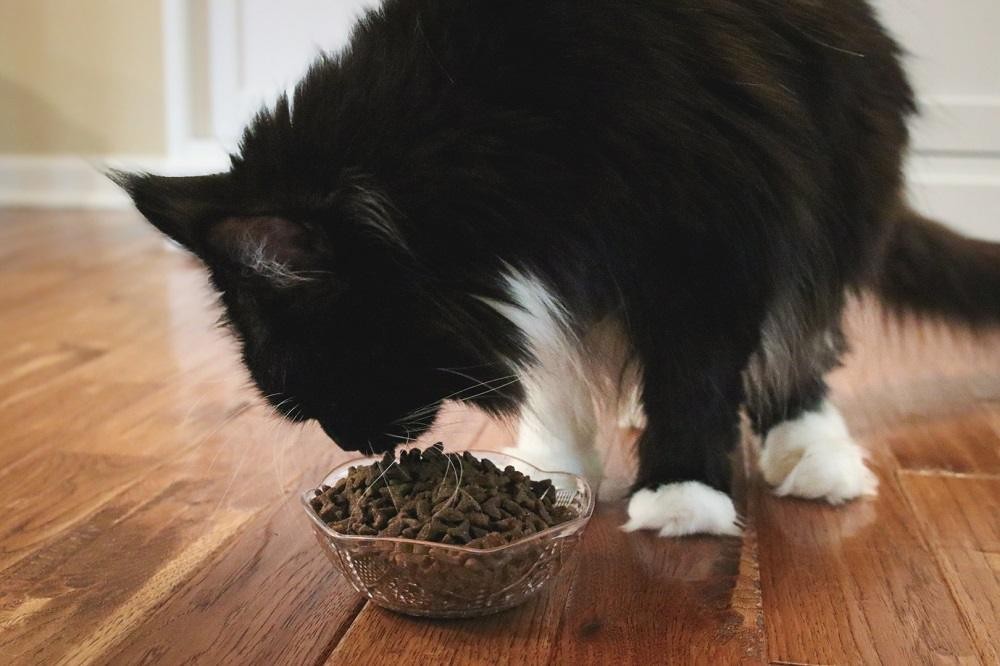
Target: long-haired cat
point(546, 207)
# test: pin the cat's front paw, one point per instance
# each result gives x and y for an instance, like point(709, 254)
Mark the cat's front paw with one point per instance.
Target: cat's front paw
point(814, 457)
point(682, 509)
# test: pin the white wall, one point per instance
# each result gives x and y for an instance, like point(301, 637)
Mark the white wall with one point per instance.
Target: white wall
point(267, 47)
point(954, 61)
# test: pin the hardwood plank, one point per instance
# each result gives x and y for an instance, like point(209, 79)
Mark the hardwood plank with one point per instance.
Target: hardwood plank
point(219, 610)
point(648, 600)
point(159, 533)
point(78, 599)
point(959, 517)
point(66, 485)
point(81, 481)
point(523, 635)
point(272, 582)
point(67, 239)
point(854, 584)
point(30, 364)
point(271, 597)
point(110, 417)
point(913, 372)
point(964, 442)
point(104, 307)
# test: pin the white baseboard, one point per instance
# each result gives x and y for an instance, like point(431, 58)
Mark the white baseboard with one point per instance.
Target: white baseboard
point(65, 181)
point(55, 182)
point(962, 192)
point(964, 124)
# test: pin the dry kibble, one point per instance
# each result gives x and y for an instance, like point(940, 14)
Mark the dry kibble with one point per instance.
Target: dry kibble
point(446, 498)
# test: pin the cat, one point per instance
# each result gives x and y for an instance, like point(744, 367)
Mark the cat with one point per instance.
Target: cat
point(551, 210)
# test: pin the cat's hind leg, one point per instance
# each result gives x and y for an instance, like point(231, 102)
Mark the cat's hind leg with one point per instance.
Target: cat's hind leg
point(808, 451)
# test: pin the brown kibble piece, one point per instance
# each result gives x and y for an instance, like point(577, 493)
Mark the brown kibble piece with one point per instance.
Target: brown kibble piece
point(491, 507)
point(479, 519)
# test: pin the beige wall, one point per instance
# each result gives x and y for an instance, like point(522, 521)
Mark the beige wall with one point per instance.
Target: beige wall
point(81, 77)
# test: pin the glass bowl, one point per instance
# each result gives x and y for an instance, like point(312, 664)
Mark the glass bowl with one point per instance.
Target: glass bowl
point(440, 580)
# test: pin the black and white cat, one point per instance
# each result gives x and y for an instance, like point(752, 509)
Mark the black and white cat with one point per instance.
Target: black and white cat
point(556, 208)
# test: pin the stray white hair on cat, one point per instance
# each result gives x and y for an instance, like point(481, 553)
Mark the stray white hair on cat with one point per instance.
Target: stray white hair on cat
point(255, 257)
point(377, 211)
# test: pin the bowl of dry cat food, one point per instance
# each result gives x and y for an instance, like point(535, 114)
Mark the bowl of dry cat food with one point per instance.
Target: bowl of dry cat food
point(440, 534)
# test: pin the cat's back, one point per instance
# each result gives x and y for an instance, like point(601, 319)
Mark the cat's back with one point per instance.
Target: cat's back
point(591, 61)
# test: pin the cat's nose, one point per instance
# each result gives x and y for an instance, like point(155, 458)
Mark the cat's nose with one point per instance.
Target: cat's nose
point(350, 440)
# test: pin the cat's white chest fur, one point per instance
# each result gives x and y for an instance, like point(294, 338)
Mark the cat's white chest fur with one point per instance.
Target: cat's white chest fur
point(575, 384)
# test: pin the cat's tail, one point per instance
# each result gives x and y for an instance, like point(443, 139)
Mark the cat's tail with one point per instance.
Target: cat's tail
point(931, 270)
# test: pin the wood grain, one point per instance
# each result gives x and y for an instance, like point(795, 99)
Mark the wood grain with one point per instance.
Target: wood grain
point(150, 514)
point(960, 518)
point(854, 585)
point(524, 635)
point(692, 601)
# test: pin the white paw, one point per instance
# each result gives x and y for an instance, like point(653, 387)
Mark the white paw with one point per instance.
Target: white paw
point(681, 509)
point(814, 457)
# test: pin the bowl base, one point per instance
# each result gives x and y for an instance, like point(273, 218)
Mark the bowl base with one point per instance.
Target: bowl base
point(465, 613)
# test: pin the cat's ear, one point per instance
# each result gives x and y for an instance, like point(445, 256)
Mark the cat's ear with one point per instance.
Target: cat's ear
point(201, 213)
point(180, 207)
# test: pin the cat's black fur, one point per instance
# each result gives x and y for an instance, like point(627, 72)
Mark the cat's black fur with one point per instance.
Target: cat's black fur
point(706, 171)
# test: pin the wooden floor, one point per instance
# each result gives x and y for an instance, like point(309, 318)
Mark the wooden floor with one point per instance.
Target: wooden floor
point(149, 510)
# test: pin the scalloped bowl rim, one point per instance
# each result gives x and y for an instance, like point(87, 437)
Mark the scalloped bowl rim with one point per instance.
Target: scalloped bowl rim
point(574, 525)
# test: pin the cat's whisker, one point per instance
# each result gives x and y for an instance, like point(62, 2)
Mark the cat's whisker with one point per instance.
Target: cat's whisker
point(190, 411)
point(478, 382)
point(457, 395)
point(459, 472)
point(277, 408)
point(372, 485)
point(274, 467)
point(232, 480)
point(278, 454)
point(468, 367)
point(222, 424)
point(218, 453)
point(513, 379)
point(392, 497)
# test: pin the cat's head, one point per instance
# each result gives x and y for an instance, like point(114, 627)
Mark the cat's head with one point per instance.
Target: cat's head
point(337, 318)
